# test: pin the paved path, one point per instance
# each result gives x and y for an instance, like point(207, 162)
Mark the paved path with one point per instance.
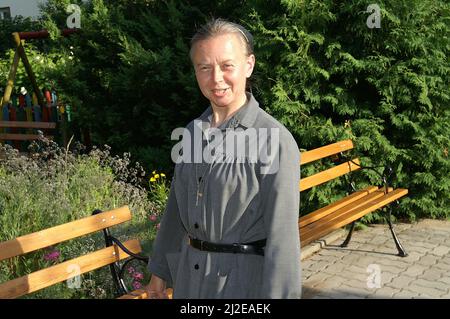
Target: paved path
point(369, 267)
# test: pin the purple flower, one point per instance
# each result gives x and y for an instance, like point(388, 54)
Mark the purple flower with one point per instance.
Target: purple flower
point(131, 270)
point(137, 285)
point(157, 226)
point(52, 256)
point(138, 276)
point(153, 218)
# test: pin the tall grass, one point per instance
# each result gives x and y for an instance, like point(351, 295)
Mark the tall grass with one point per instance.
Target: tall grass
point(52, 186)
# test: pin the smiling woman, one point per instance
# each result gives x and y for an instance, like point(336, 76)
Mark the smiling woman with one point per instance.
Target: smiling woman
point(223, 63)
point(229, 229)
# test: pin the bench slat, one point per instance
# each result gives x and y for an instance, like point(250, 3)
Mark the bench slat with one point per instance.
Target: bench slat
point(325, 151)
point(57, 234)
point(322, 212)
point(22, 137)
point(351, 215)
point(61, 272)
point(312, 228)
point(329, 174)
point(141, 294)
point(24, 124)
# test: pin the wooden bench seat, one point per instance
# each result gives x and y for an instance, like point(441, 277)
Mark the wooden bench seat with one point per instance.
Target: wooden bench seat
point(58, 273)
point(349, 209)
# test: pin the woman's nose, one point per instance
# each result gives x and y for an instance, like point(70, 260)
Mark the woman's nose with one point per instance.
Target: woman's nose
point(217, 75)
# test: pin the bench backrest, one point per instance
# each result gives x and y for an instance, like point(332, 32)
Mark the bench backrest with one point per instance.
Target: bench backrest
point(24, 125)
point(331, 173)
point(71, 268)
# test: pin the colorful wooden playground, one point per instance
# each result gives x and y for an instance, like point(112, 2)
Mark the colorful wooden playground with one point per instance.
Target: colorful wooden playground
point(26, 116)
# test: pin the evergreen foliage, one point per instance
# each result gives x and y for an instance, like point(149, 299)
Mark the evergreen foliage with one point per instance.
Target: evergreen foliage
point(320, 70)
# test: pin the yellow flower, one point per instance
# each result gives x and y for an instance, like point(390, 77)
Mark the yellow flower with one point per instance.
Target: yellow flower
point(153, 172)
point(163, 175)
point(152, 179)
point(156, 176)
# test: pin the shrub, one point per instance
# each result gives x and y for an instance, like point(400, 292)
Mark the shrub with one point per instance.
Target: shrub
point(52, 186)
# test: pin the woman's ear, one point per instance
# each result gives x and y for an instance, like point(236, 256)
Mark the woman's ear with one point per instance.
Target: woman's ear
point(250, 65)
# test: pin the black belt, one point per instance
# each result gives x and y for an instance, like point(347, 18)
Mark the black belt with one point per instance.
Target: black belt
point(255, 247)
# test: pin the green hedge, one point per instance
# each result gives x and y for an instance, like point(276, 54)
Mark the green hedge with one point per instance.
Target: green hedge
point(320, 70)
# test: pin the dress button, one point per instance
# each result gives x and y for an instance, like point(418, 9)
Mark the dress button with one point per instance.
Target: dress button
point(196, 225)
point(196, 267)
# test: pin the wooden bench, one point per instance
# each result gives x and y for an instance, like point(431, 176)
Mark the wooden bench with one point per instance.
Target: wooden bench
point(111, 255)
point(349, 209)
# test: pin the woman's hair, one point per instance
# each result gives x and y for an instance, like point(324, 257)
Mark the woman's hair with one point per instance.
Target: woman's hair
point(219, 26)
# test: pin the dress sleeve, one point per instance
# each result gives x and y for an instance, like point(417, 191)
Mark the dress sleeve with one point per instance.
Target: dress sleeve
point(168, 238)
point(280, 208)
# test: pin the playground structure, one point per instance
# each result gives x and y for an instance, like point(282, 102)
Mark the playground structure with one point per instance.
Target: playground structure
point(25, 117)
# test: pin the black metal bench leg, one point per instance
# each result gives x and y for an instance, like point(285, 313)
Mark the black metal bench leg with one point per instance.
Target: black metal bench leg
point(401, 250)
point(349, 236)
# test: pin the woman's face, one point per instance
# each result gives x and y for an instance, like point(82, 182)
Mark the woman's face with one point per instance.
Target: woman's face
point(222, 68)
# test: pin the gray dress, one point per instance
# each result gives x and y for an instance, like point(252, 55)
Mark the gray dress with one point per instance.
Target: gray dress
point(233, 199)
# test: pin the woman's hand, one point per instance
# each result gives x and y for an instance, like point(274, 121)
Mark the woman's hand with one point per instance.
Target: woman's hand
point(156, 289)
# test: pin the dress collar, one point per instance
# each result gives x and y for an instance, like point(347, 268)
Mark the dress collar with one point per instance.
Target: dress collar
point(245, 116)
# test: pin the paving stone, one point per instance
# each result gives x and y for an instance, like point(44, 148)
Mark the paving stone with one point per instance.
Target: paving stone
point(446, 260)
point(316, 279)
point(405, 294)
point(357, 268)
point(353, 292)
point(352, 275)
point(379, 240)
point(400, 282)
point(425, 291)
point(332, 282)
point(433, 274)
point(306, 273)
point(445, 280)
point(368, 259)
point(427, 260)
point(307, 264)
point(384, 293)
point(443, 266)
point(387, 277)
point(318, 265)
point(441, 251)
point(415, 270)
point(384, 268)
point(424, 244)
point(432, 284)
point(419, 249)
point(337, 253)
point(438, 239)
point(413, 256)
point(324, 259)
point(350, 259)
point(336, 268)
